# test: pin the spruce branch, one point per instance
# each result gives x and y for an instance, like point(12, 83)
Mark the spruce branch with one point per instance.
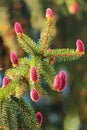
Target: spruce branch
point(46, 34)
point(64, 54)
point(28, 74)
point(17, 113)
point(9, 115)
point(29, 115)
point(27, 44)
point(9, 90)
point(15, 72)
point(45, 40)
point(48, 73)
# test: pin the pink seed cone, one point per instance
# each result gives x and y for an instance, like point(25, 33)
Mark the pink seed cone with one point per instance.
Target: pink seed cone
point(80, 46)
point(63, 86)
point(34, 95)
point(5, 82)
point(74, 8)
point(63, 77)
point(14, 58)
point(33, 74)
point(39, 117)
point(57, 82)
point(18, 28)
point(49, 13)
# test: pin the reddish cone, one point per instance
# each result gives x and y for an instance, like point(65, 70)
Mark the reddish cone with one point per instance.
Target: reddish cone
point(33, 74)
point(14, 59)
point(57, 82)
point(74, 8)
point(39, 117)
point(80, 46)
point(63, 77)
point(18, 28)
point(34, 95)
point(49, 13)
point(5, 82)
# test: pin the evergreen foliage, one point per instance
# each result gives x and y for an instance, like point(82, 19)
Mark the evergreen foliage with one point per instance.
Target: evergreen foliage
point(15, 113)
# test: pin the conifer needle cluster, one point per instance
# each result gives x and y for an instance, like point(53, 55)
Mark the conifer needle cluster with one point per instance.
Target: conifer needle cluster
point(28, 73)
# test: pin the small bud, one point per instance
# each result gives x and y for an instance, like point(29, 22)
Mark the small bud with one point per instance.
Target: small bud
point(51, 61)
point(14, 59)
point(80, 46)
point(33, 74)
point(49, 13)
point(34, 95)
point(63, 77)
point(74, 8)
point(57, 82)
point(18, 29)
point(39, 117)
point(5, 82)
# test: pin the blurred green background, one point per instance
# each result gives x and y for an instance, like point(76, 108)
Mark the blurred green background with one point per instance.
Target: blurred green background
point(61, 111)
